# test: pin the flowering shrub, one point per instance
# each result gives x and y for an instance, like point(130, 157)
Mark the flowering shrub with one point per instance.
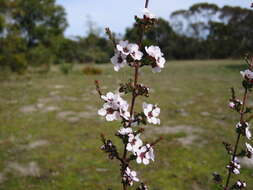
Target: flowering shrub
point(116, 108)
point(242, 129)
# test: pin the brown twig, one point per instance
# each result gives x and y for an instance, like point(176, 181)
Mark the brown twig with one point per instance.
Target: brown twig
point(98, 88)
point(136, 74)
point(146, 4)
point(238, 138)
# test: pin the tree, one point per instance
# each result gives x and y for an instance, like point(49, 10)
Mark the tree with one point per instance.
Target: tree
point(38, 20)
point(162, 34)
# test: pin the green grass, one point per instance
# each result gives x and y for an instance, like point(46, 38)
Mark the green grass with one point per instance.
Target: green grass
point(73, 160)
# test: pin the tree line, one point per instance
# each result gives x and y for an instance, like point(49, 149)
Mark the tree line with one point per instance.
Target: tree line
point(32, 34)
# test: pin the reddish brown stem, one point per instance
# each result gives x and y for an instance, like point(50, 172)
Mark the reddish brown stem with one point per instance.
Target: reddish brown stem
point(238, 138)
point(136, 74)
point(146, 4)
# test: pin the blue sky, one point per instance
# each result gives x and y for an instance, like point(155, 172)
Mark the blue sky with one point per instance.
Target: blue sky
point(118, 14)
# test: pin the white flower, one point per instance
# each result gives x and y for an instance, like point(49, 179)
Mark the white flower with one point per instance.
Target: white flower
point(231, 105)
point(145, 154)
point(125, 131)
point(234, 166)
point(247, 74)
point(234, 104)
point(157, 55)
point(244, 129)
point(124, 110)
point(134, 143)
point(248, 133)
point(119, 61)
point(151, 112)
point(154, 51)
point(249, 149)
point(130, 176)
point(114, 108)
point(123, 47)
point(148, 14)
point(109, 113)
point(241, 184)
point(126, 48)
point(134, 52)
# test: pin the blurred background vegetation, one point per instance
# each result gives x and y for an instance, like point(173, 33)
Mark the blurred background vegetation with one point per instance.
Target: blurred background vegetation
point(32, 35)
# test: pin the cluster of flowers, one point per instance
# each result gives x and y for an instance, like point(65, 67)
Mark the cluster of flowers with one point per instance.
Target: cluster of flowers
point(242, 129)
point(116, 108)
point(126, 52)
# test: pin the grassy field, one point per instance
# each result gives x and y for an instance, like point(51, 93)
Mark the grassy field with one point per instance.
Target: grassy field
point(49, 128)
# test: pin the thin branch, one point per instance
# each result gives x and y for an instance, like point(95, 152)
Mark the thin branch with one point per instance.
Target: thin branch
point(98, 88)
point(146, 4)
point(238, 137)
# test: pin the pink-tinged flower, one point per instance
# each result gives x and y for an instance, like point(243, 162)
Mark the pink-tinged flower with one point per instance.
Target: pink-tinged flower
point(109, 113)
point(243, 128)
point(248, 133)
point(234, 167)
point(155, 53)
point(249, 150)
point(134, 52)
point(247, 75)
point(124, 110)
point(114, 108)
point(240, 184)
point(145, 154)
point(130, 176)
point(125, 131)
point(134, 143)
point(119, 61)
point(233, 104)
point(148, 14)
point(124, 47)
point(151, 112)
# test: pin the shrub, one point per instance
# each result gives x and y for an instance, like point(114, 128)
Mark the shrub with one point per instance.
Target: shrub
point(66, 68)
point(90, 70)
point(39, 56)
point(17, 62)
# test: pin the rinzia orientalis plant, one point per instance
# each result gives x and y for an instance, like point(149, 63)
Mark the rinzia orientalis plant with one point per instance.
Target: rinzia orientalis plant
point(242, 130)
point(115, 108)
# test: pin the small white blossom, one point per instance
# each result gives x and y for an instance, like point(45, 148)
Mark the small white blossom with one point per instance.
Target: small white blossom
point(114, 108)
point(249, 150)
point(233, 104)
point(134, 143)
point(247, 74)
point(248, 133)
point(234, 166)
point(130, 176)
point(157, 55)
point(134, 52)
point(145, 154)
point(241, 184)
point(148, 14)
point(151, 112)
point(244, 126)
point(109, 113)
point(119, 61)
point(123, 47)
point(125, 131)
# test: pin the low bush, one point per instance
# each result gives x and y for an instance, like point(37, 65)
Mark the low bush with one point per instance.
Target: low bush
point(90, 70)
point(66, 68)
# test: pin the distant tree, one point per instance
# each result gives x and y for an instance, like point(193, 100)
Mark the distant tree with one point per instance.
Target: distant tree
point(214, 30)
point(38, 20)
point(162, 34)
point(194, 22)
